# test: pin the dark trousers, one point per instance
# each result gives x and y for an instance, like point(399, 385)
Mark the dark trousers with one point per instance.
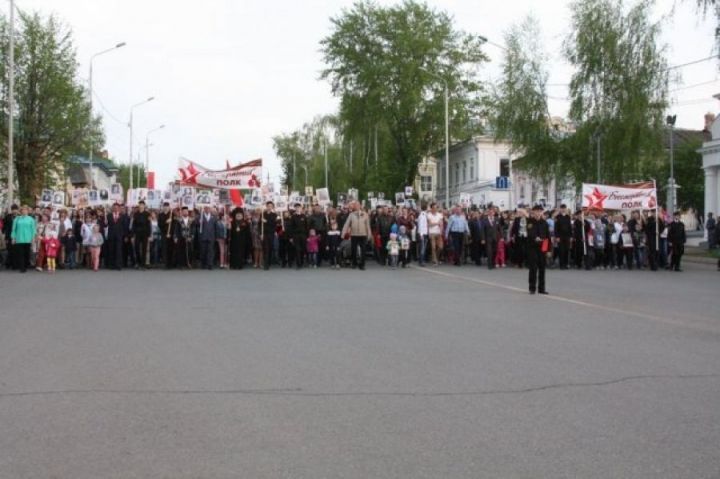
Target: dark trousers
point(490, 252)
point(564, 252)
point(652, 258)
point(677, 252)
point(114, 252)
point(382, 252)
point(182, 253)
point(536, 267)
point(267, 245)
point(299, 244)
point(207, 253)
point(167, 252)
point(141, 243)
point(458, 240)
point(578, 254)
point(10, 259)
point(21, 256)
point(357, 245)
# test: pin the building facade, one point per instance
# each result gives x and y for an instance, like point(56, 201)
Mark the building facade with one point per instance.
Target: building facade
point(711, 165)
point(480, 168)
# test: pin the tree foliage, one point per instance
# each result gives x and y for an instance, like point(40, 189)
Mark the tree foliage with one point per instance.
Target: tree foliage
point(389, 66)
point(52, 113)
point(519, 102)
point(619, 89)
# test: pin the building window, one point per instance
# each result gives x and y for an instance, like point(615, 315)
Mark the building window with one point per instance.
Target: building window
point(464, 172)
point(504, 167)
point(457, 175)
point(426, 183)
point(472, 169)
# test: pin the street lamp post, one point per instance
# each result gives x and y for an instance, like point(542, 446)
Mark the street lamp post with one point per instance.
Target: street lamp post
point(147, 150)
point(447, 136)
point(670, 120)
point(90, 92)
point(11, 104)
point(130, 125)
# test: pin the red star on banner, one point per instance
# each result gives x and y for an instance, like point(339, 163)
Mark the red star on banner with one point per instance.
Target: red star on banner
point(596, 199)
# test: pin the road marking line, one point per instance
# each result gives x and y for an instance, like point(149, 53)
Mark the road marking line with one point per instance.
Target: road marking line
point(660, 319)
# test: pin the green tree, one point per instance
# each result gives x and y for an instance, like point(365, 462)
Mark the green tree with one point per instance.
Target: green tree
point(519, 102)
point(53, 116)
point(123, 176)
point(389, 66)
point(618, 91)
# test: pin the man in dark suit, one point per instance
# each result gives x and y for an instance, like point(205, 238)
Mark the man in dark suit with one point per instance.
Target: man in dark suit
point(563, 231)
point(298, 231)
point(538, 232)
point(117, 231)
point(206, 232)
point(165, 224)
point(676, 238)
point(269, 223)
point(475, 225)
point(490, 232)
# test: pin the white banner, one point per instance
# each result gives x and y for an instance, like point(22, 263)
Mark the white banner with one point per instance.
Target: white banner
point(638, 196)
point(243, 176)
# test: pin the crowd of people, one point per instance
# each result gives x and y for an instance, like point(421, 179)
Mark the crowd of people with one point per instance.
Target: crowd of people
point(183, 238)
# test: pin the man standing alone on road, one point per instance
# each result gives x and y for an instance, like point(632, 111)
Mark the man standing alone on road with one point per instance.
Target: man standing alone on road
point(711, 226)
point(676, 238)
point(537, 245)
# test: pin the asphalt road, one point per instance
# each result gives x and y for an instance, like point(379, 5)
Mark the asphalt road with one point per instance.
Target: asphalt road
point(438, 373)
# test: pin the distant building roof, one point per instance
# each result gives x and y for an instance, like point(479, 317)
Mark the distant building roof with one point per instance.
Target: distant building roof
point(683, 136)
point(98, 162)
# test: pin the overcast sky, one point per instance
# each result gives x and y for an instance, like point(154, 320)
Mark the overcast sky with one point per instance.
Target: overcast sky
point(227, 75)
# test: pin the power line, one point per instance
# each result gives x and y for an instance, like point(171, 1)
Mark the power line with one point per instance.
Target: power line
point(102, 105)
point(687, 87)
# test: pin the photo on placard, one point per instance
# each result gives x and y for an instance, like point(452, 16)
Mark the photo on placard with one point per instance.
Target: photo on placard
point(370, 195)
point(342, 199)
point(104, 195)
point(353, 194)
point(399, 199)
point(46, 197)
point(410, 203)
point(188, 201)
point(408, 191)
point(58, 198)
point(93, 198)
point(281, 203)
point(116, 192)
point(323, 196)
point(309, 191)
point(381, 195)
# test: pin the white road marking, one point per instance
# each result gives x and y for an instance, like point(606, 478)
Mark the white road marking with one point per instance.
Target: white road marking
point(550, 297)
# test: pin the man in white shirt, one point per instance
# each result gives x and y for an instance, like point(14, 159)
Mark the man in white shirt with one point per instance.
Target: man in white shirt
point(435, 230)
point(422, 234)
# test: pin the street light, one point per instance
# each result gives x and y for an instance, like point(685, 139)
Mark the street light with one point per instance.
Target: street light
point(447, 138)
point(90, 91)
point(130, 125)
point(11, 102)
point(670, 120)
point(147, 150)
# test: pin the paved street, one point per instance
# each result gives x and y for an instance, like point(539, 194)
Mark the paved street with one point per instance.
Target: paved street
point(438, 373)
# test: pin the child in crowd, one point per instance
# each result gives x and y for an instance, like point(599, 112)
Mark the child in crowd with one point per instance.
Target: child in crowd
point(69, 244)
point(52, 247)
point(500, 254)
point(313, 248)
point(404, 240)
point(393, 247)
point(627, 246)
point(640, 242)
point(333, 245)
point(94, 241)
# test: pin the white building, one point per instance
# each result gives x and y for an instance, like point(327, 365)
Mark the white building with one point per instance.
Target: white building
point(480, 168)
point(711, 164)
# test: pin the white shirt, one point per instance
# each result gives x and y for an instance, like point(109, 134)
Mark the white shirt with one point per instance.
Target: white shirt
point(435, 221)
point(422, 224)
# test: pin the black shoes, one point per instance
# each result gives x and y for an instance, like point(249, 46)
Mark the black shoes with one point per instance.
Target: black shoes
point(543, 292)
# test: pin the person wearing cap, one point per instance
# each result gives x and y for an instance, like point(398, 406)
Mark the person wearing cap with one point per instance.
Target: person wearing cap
point(676, 238)
point(538, 233)
point(141, 230)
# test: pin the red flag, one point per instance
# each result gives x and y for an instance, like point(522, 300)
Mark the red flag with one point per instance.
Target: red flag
point(237, 199)
point(151, 180)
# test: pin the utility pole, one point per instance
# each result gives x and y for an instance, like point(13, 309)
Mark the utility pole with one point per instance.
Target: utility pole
point(11, 106)
point(670, 120)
